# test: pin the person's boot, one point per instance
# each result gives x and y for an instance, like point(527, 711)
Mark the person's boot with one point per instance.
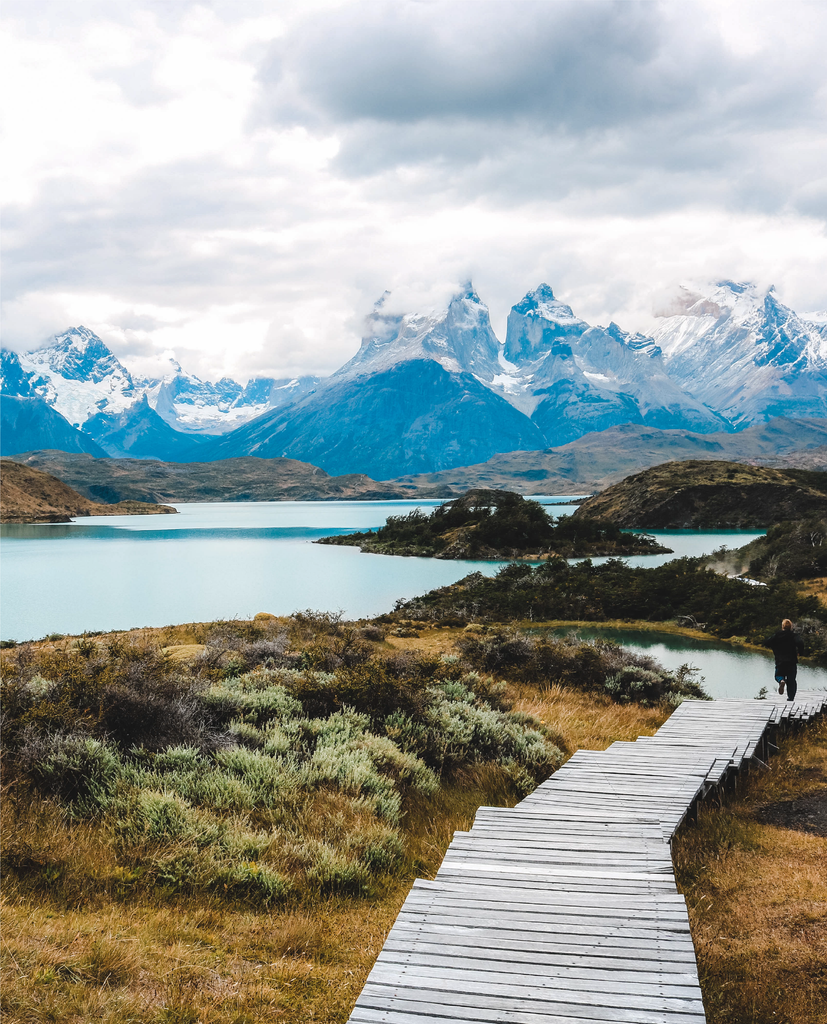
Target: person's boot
point(781, 686)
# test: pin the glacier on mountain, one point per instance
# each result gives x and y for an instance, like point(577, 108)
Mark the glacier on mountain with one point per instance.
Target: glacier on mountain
point(78, 376)
point(195, 406)
point(577, 378)
point(81, 378)
point(436, 389)
point(459, 338)
point(744, 353)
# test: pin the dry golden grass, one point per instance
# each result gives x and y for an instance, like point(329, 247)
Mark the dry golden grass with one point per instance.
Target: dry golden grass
point(80, 944)
point(817, 587)
point(757, 896)
point(586, 720)
point(186, 960)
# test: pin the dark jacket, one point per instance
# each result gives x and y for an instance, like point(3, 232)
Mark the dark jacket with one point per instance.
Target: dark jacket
point(785, 645)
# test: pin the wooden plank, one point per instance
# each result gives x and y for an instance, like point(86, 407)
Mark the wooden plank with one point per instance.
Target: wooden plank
point(559, 881)
point(556, 975)
point(660, 952)
point(585, 931)
point(622, 960)
point(476, 990)
point(409, 1011)
point(561, 916)
point(558, 895)
point(552, 871)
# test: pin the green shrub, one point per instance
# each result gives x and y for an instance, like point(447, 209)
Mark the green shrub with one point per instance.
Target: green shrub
point(205, 779)
point(615, 590)
point(144, 817)
point(80, 771)
point(253, 879)
point(332, 870)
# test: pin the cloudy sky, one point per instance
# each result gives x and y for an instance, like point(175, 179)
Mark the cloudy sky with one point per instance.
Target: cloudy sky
point(235, 182)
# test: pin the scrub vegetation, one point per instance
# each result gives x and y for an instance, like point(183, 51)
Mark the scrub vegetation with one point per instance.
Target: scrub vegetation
point(219, 822)
point(795, 550)
point(685, 590)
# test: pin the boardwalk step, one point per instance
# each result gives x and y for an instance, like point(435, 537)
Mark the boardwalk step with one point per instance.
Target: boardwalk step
point(564, 909)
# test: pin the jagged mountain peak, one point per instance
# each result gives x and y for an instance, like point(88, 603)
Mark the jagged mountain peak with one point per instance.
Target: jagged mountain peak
point(637, 342)
point(542, 304)
point(540, 324)
point(458, 336)
point(742, 351)
point(79, 354)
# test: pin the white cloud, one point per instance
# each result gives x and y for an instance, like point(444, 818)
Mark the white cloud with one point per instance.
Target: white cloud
point(236, 183)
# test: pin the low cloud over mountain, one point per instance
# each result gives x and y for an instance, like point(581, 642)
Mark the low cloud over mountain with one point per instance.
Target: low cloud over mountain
point(435, 389)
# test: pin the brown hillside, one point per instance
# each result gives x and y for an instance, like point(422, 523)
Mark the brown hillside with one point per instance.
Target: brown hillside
point(710, 495)
point(244, 479)
point(28, 495)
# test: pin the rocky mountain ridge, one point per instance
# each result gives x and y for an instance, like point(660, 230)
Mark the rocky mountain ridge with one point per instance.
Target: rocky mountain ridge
point(78, 376)
point(247, 479)
point(434, 390)
point(580, 467)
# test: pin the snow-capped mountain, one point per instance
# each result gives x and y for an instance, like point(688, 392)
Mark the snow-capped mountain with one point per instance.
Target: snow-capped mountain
point(573, 378)
point(747, 355)
point(435, 390)
point(201, 407)
point(81, 379)
point(458, 337)
point(76, 374)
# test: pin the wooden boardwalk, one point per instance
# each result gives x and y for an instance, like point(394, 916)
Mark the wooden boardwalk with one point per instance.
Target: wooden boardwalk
point(564, 909)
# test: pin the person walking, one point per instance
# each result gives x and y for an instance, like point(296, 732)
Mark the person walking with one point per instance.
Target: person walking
point(785, 645)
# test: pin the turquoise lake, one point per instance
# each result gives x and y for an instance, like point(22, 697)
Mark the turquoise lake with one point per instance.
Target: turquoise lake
point(212, 560)
point(233, 559)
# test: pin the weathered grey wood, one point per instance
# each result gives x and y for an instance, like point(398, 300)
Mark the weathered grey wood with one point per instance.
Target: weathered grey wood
point(565, 919)
point(559, 895)
point(653, 884)
point(478, 994)
point(551, 959)
point(550, 871)
point(564, 910)
point(541, 977)
point(408, 1011)
point(585, 931)
point(645, 949)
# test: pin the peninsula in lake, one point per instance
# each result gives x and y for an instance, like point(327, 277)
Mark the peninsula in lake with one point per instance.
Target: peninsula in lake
point(28, 495)
point(497, 525)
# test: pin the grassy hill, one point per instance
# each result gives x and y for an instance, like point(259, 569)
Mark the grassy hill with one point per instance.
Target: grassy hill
point(710, 495)
point(597, 460)
point(490, 524)
point(244, 479)
point(28, 495)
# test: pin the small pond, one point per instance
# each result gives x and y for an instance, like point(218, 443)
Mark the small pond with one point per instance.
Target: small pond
point(727, 669)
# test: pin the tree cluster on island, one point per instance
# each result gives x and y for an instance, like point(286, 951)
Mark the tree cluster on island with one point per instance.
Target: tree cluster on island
point(497, 525)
